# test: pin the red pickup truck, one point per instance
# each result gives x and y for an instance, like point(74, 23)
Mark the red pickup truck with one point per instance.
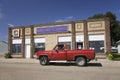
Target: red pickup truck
point(60, 53)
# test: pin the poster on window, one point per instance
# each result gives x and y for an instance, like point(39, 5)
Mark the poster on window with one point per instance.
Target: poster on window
point(16, 33)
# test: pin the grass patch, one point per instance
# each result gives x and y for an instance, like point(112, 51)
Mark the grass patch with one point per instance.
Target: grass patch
point(114, 56)
point(116, 59)
point(6, 55)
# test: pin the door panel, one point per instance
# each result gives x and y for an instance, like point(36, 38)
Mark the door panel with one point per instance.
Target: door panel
point(59, 55)
point(27, 52)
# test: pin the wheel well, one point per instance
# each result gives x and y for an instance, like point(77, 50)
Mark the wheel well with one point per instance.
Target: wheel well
point(80, 56)
point(42, 56)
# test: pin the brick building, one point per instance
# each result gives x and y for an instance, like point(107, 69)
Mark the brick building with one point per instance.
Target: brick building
point(24, 41)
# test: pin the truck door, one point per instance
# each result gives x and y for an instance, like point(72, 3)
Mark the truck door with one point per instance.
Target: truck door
point(59, 53)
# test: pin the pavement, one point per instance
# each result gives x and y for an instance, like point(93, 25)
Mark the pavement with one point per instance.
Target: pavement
point(35, 61)
point(29, 69)
point(19, 61)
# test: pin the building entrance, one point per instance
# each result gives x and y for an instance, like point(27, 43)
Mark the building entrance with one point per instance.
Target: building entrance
point(27, 51)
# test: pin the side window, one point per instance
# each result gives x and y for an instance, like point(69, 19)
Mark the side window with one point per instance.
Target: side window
point(67, 43)
point(59, 47)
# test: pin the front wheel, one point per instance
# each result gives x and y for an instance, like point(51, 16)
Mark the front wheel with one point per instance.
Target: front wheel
point(44, 60)
point(81, 61)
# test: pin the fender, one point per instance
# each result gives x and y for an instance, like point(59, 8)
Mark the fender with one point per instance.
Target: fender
point(43, 55)
point(83, 55)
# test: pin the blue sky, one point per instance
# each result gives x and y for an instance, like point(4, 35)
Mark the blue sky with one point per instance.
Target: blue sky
point(29, 12)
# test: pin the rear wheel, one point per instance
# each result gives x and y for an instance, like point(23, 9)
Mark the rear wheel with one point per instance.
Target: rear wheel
point(81, 61)
point(43, 60)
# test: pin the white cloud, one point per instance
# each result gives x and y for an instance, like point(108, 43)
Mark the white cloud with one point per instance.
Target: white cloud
point(70, 17)
point(65, 19)
point(11, 25)
point(59, 20)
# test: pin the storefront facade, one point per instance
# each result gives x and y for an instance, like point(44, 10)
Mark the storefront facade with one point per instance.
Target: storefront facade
point(24, 41)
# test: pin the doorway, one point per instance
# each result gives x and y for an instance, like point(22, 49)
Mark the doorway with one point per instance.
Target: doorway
point(27, 51)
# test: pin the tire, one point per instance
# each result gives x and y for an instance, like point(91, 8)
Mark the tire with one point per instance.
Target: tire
point(44, 60)
point(81, 61)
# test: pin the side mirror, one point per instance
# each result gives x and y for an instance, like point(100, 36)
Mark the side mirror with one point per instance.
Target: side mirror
point(56, 50)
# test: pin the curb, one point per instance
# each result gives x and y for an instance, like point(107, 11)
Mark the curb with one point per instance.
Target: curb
point(19, 61)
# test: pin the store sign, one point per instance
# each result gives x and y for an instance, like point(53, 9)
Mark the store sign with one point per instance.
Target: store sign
point(54, 29)
point(16, 32)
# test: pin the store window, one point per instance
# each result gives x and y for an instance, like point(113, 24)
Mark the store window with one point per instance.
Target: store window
point(39, 47)
point(68, 44)
point(16, 49)
point(79, 45)
point(98, 46)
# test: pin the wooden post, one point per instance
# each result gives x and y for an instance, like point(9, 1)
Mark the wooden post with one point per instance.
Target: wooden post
point(9, 40)
point(107, 36)
point(73, 35)
point(23, 42)
point(32, 42)
point(86, 41)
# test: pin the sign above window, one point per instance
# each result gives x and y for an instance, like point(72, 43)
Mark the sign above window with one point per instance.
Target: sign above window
point(53, 29)
point(16, 32)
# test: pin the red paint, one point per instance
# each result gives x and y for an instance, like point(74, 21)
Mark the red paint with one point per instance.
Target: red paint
point(65, 54)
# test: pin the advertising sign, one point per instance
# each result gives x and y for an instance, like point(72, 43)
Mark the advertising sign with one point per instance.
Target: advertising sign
point(16, 33)
point(54, 29)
